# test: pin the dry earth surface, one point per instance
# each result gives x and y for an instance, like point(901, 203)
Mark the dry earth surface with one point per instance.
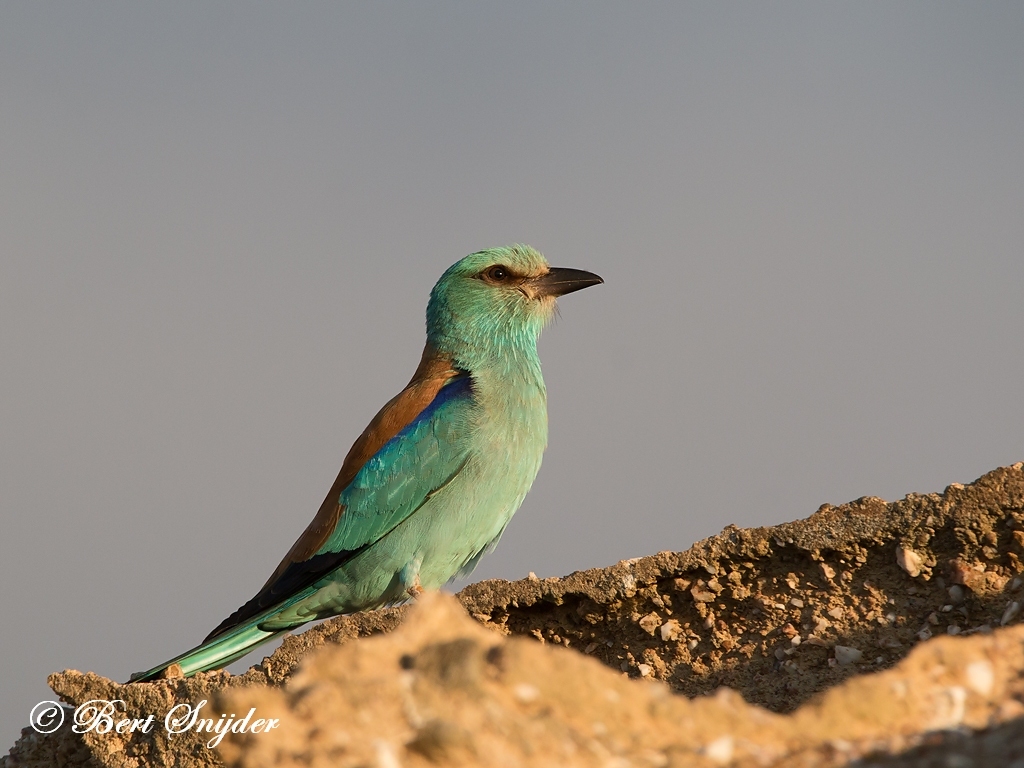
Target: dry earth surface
point(871, 634)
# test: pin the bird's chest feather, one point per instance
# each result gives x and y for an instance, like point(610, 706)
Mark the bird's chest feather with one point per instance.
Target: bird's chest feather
point(510, 430)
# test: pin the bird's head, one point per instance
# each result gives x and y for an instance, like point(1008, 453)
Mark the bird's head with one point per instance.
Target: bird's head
point(496, 302)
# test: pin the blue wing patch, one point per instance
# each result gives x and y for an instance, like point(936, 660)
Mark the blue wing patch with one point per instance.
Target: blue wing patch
point(396, 481)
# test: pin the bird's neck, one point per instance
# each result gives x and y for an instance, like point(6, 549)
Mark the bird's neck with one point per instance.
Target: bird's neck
point(515, 381)
point(510, 396)
point(506, 371)
point(513, 410)
point(499, 351)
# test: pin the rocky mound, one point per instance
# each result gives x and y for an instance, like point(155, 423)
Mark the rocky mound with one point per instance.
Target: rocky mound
point(776, 614)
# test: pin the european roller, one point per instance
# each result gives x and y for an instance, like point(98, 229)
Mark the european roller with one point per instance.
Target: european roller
point(429, 486)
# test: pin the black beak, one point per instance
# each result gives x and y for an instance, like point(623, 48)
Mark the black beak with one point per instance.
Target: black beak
point(561, 280)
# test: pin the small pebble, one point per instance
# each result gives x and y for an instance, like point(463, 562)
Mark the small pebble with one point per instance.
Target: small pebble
point(532, 576)
point(933, 619)
point(590, 648)
point(1016, 583)
point(525, 693)
point(847, 655)
point(795, 640)
point(644, 669)
point(173, 671)
point(692, 644)
point(1010, 613)
point(650, 623)
point(385, 755)
point(946, 608)
point(701, 594)
point(720, 750)
point(980, 677)
point(952, 629)
point(924, 633)
point(815, 640)
point(628, 584)
point(956, 594)
point(828, 571)
point(909, 561)
point(780, 653)
point(797, 602)
point(836, 613)
point(670, 630)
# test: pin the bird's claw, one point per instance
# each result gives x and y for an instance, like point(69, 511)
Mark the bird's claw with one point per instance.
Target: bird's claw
point(415, 589)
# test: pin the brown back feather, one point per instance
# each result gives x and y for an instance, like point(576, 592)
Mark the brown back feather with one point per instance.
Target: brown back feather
point(433, 372)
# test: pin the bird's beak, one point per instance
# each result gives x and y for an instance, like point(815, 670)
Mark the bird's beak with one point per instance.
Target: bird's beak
point(562, 280)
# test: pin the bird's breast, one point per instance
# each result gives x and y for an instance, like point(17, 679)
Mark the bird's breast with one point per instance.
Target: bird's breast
point(512, 415)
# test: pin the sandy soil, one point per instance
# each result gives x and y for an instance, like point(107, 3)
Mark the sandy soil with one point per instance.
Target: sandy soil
point(581, 670)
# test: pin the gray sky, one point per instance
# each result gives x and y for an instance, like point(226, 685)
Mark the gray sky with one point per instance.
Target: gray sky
point(219, 226)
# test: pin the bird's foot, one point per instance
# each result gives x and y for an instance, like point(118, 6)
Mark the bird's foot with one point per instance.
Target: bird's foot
point(415, 589)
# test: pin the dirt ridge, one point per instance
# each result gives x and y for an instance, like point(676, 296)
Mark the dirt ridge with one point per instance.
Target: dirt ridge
point(779, 614)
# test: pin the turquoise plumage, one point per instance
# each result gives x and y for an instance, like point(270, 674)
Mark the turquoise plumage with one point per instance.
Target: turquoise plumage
point(430, 485)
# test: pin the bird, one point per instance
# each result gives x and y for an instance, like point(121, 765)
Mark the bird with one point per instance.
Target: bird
point(429, 486)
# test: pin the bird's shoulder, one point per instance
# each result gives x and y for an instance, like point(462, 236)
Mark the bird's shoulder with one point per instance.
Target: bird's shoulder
point(436, 382)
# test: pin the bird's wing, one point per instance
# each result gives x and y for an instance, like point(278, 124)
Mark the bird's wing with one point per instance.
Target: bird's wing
point(413, 447)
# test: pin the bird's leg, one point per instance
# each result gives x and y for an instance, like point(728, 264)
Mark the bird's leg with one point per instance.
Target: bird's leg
point(410, 576)
point(415, 589)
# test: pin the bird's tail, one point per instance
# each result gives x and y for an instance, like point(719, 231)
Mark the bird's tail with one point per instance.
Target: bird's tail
point(217, 652)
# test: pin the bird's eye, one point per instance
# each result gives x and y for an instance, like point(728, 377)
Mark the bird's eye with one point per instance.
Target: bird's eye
point(496, 273)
